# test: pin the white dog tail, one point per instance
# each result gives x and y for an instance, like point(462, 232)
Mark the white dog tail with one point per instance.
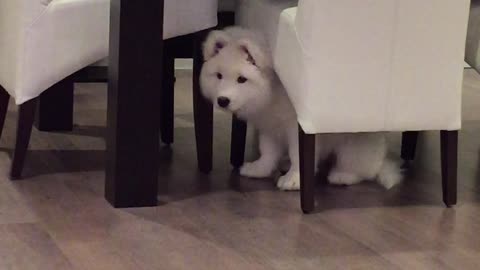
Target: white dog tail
point(390, 174)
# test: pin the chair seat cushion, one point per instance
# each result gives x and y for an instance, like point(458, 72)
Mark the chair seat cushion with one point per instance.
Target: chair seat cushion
point(343, 78)
point(188, 16)
point(48, 41)
point(262, 15)
point(52, 41)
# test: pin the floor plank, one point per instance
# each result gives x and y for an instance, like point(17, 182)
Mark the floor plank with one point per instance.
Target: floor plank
point(27, 246)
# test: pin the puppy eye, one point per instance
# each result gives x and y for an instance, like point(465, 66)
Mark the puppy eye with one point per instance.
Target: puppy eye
point(241, 79)
point(219, 76)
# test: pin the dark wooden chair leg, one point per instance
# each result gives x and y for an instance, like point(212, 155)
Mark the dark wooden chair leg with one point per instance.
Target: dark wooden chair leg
point(239, 137)
point(26, 117)
point(4, 98)
point(449, 149)
point(91, 74)
point(167, 114)
point(55, 107)
point(203, 111)
point(307, 170)
point(409, 145)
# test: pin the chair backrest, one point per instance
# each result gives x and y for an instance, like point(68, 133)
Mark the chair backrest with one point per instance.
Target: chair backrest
point(398, 62)
point(15, 17)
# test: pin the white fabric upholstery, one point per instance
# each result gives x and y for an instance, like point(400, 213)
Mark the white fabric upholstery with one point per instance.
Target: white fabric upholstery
point(44, 41)
point(391, 65)
point(262, 15)
point(188, 16)
point(472, 49)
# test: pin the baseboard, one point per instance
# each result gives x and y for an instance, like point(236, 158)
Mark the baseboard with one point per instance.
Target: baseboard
point(183, 64)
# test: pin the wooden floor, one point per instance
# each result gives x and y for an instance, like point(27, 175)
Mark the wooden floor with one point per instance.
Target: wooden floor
point(56, 218)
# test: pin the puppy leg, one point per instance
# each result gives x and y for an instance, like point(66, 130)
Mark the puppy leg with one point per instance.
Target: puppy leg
point(346, 169)
point(291, 180)
point(337, 177)
point(270, 154)
point(359, 158)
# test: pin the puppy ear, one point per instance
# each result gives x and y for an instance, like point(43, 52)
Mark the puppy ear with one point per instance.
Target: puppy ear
point(216, 41)
point(255, 54)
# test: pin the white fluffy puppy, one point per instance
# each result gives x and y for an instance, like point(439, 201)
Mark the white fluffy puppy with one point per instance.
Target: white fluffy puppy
point(238, 76)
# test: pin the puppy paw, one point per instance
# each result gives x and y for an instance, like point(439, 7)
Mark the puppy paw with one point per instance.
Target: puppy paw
point(341, 178)
point(290, 181)
point(390, 182)
point(255, 170)
point(390, 174)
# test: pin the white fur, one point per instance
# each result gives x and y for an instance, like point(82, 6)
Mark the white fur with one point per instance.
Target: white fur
point(263, 102)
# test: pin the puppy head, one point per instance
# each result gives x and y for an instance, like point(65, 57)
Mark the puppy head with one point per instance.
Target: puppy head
point(236, 75)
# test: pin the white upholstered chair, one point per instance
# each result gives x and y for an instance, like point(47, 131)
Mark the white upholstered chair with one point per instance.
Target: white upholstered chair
point(44, 41)
point(391, 65)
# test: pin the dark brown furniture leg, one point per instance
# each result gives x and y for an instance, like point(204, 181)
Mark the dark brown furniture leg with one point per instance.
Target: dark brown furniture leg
point(168, 87)
point(4, 98)
point(239, 137)
point(307, 170)
point(26, 116)
point(409, 145)
point(133, 113)
point(202, 110)
point(55, 107)
point(91, 74)
point(449, 149)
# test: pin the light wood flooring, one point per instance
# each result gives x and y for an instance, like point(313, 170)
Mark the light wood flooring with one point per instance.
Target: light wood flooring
point(57, 218)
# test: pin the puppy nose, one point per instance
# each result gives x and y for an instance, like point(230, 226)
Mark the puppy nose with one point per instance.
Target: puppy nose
point(223, 102)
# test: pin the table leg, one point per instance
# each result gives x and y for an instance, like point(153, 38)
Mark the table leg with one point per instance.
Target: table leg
point(133, 114)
